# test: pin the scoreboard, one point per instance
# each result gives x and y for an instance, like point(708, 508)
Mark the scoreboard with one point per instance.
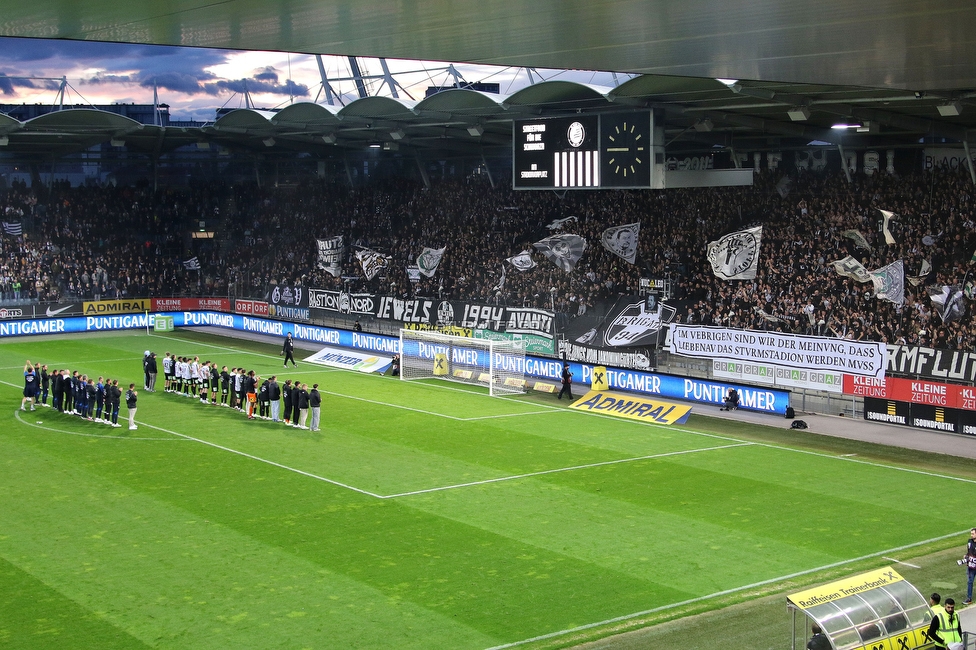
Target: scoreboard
point(584, 152)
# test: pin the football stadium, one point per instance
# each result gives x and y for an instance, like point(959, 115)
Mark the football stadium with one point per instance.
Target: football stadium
point(636, 326)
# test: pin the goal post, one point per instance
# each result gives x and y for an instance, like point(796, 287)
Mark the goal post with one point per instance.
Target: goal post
point(497, 365)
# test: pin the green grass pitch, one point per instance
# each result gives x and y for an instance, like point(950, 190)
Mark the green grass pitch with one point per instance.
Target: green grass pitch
point(423, 515)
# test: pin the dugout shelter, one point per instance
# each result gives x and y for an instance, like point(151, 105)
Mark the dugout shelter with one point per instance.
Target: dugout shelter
point(874, 610)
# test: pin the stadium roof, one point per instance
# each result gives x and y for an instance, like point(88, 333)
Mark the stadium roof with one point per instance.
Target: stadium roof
point(903, 72)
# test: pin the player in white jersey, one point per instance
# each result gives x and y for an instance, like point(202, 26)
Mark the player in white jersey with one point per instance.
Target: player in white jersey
point(168, 372)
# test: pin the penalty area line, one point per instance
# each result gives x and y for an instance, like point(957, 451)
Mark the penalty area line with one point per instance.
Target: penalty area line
point(717, 594)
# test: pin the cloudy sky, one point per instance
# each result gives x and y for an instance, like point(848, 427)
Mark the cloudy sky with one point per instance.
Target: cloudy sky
point(195, 82)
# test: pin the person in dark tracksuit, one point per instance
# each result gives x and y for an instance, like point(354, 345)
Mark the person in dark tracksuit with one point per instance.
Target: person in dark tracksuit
point(286, 398)
point(296, 389)
point(288, 349)
point(567, 379)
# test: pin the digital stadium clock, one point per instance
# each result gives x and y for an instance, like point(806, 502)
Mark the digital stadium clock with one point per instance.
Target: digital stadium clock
point(583, 152)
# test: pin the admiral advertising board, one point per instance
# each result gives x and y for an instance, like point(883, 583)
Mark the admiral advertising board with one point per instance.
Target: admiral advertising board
point(97, 307)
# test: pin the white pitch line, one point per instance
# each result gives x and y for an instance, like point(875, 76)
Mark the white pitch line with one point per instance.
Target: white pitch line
point(87, 435)
point(690, 601)
point(397, 406)
point(891, 559)
point(507, 415)
point(264, 460)
point(561, 469)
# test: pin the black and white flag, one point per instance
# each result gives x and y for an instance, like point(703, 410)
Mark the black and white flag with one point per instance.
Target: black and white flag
point(13, 228)
point(501, 281)
point(858, 239)
point(622, 241)
point(413, 274)
point(562, 250)
point(916, 280)
point(523, 261)
point(851, 268)
point(948, 301)
point(736, 255)
point(886, 218)
point(330, 255)
point(557, 224)
point(429, 259)
point(889, 282)
point(372, 262)
point(192, 264)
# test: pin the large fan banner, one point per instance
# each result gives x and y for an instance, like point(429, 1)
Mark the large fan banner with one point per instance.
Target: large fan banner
point(887, 216)
point(330, 255)
point(865, 358)
point(622, 241)
point(632, 321)
point(429, 259)
point(562, 250)
point(736, 255)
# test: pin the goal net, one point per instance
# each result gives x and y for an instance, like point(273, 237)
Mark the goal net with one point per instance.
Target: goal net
point(499, 365)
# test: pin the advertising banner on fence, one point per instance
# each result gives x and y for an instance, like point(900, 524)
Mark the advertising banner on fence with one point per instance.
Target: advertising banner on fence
point(914, 391)
point(760, 373)
point(253, 307)
point(342, 302)
point(920, 416)
point(191, 304)
point(117, 306)
point(288, 296)
point(814, 353)
point(932, 363)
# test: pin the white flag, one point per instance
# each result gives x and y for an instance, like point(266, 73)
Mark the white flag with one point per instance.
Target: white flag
point(948, 301)
point(523, 261)
point(736, 255)
point(429, 260)
point(922, 274)
point(858, 239)
point(559, 223)
point(887, 216)
point(562, 250)
point(851, 268)
point(330, 255)
point(889, 282)
point(192, 264)
point(501, 281)
point(622, 240)
point(372, 262)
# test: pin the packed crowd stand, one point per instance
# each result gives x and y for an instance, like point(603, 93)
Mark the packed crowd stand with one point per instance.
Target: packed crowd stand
point(110, 242)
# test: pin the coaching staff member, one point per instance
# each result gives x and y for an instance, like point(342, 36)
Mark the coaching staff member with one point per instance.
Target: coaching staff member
point(288, 349)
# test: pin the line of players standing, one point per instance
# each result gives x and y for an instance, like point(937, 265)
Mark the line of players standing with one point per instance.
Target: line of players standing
point(73, 393)
point(240, 389)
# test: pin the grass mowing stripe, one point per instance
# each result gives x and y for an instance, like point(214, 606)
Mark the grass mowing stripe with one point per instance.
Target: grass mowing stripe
point(718, 594)
point(91, 435)
point(559, 469)
point(263, 460)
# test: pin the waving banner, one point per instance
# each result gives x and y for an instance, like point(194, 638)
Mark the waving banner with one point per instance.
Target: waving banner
point(887, 216)
point(858, 239)
point(851, 268)
point(429, 260)
point(523, 261)
point(736, 255)
point(330, 255)
point(622, 241)
point(889, 282)
point(562, 250)
point(372, 262)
